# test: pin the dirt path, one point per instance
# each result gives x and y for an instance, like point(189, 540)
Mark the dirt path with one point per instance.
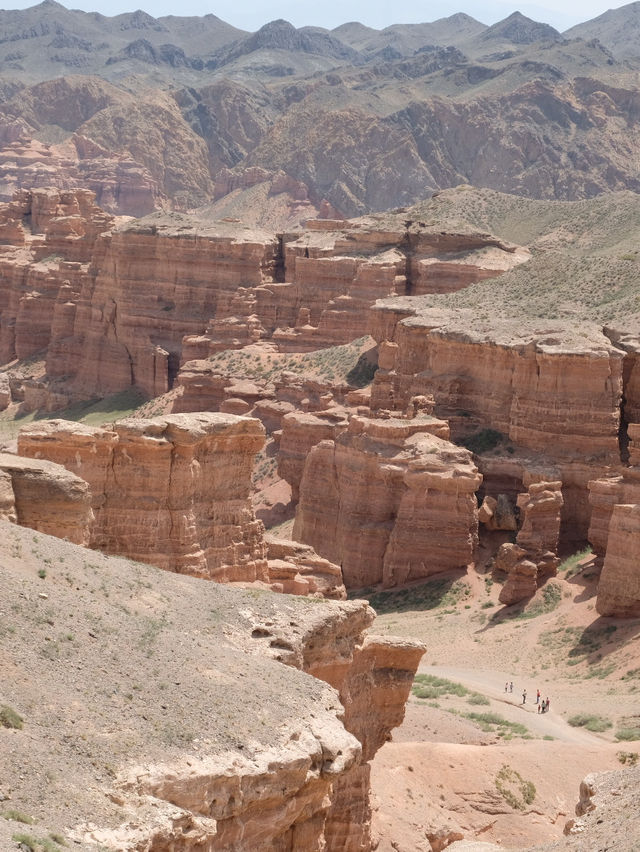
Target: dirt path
point(491, 684)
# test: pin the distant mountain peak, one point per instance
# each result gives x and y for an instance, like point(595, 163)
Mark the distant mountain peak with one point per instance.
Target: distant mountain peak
point(518, 29)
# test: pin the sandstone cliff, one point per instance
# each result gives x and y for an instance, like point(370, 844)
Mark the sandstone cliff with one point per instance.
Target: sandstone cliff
point(389, 501)
point(45, 497)
point(174, 491)
point(553, 393)
point(223, 746)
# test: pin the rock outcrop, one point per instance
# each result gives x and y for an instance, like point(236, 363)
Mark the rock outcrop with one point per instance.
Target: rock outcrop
point(174, 491)
point(289, 702)
point(553, 392)
point(619, 585)
point(389, 501)
point(45, 497)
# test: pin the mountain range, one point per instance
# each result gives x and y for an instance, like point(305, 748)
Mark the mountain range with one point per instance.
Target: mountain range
point(179, 112)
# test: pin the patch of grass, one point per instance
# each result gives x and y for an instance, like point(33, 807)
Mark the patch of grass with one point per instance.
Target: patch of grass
point(547, 602)
point(514, 789)
point(430, 686)
point(628, 734)
point(9, 718)
point(569, 566)
point(491, 722)
point(36, 844)
point(478, 699)
point(596, 724)
point(18, 816)
point(441, 592)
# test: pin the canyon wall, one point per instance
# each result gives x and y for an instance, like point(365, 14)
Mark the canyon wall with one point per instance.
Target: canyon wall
point(174, 491)
point(389, 501)
point(81, 289)
point(553, 394)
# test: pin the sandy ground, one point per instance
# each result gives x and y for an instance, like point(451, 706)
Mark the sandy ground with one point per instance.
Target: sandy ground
point(442, 771)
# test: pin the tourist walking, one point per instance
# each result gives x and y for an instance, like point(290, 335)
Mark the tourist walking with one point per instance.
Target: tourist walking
point(538, 697)
point(506, 686)
point(511, 687)
point(524, 696)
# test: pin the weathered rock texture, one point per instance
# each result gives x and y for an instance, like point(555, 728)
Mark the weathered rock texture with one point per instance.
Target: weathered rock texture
point(279, 761)
point(389, 501)
point(552, 391)
point(174, 491)
point(619, 586)
point(373, 676)
point(46, 497)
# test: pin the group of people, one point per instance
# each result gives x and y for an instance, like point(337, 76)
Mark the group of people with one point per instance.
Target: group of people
point(541, 703)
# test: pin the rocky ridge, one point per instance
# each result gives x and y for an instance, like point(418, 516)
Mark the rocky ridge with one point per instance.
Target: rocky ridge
point(242, 723)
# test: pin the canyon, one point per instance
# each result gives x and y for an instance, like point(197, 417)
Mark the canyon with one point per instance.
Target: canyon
point(319, 429)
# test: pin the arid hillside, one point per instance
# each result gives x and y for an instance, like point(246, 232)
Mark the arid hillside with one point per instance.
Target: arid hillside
point(174, 112)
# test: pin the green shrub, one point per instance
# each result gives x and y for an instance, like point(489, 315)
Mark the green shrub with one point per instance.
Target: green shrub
point(483, 441)
point(514, 789)
point(9, 718)
point(430, 686)
point(627, 757)
point(596, 724)
point(477, 699)
point(18, 816)
point(628, 734)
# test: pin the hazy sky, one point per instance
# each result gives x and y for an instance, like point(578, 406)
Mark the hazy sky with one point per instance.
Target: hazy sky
point(251, 14)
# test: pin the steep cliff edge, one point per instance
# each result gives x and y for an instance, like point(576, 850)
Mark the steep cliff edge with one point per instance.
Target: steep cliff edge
point(175, 719)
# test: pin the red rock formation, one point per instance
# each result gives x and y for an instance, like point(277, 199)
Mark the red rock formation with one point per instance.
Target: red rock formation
point(174, 491)
point(389, 501)
point(540, 525)
point(373, 676)
point(126, 334)
point(300, 432)
point(46, 497)
point(121, 184)
point(619, 585)
point(553, 392)
point(604, 495)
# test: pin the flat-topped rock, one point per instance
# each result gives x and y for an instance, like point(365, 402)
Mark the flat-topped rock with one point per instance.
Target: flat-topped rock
point(389, 510)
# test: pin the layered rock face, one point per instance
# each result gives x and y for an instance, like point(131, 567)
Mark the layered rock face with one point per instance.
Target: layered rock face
point(554, 393)
point(389, 501)
point(619, 586)
point(614, 536)
point(174, 491)
point(373, 676)
point(45, 497)
point(533, 558)
point(126, 333)
point(48, 237)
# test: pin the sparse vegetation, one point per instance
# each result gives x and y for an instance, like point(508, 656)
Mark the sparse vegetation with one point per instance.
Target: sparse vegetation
point(596, 724)
point(18, 816)
point(627, 734)
point(9, 718)
point(494, 723)
point(434, 594)
point(627, 758)
point(569, 566)
point(514, 789)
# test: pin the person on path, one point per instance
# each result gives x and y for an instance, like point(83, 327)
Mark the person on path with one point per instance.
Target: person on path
point(540, 707)
point(547, 702)
point(506, 686)
point(544, 706)
point(524, 696)
point(511, 687)
point(538, 697)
